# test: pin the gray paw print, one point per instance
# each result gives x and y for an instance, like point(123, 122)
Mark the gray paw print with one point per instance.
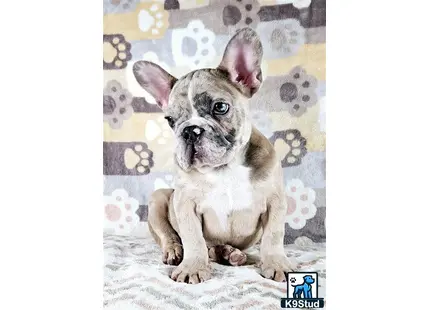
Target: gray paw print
point(116, 104)
point(281, 39)
point(298, 91)
point(240, 13)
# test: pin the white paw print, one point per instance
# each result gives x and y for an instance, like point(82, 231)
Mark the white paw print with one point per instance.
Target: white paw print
point(158, 130)
point(120, 212)
point(153, 20)
point(300, 200)
point(193, 46)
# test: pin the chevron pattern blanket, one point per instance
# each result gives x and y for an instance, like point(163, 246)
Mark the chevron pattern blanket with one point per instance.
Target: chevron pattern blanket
point(135, 278)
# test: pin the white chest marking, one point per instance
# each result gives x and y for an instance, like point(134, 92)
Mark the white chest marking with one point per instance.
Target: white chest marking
point(230, 190)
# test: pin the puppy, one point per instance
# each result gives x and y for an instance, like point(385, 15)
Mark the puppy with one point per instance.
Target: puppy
point(229, 191)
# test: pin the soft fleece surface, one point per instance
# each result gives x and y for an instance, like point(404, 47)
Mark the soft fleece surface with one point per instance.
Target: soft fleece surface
point(135, 278)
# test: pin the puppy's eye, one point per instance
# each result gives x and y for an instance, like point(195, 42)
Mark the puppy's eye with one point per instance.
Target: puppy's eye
point(170, 121)
point(220, 108)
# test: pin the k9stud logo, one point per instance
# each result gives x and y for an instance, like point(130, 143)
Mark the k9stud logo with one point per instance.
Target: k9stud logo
point(302, 291)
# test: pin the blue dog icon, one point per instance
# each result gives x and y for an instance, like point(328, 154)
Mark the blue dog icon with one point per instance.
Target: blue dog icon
point(304, 289)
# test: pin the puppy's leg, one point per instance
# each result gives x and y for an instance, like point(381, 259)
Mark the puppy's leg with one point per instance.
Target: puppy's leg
point(195, 266)
point(161, 229)
point(273, 258)
point(227, 255)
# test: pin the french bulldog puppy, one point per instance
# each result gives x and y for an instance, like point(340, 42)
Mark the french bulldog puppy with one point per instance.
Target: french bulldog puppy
point(229, 191)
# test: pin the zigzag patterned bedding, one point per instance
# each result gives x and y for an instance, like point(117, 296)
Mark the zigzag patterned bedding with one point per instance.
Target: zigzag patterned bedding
point(135, 278)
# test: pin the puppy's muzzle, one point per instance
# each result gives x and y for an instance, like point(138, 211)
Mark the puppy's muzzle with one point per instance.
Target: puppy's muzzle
point(191, 134)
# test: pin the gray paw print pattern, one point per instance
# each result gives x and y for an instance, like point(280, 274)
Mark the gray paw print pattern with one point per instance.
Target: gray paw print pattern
point(122, 52)
point(240, 13)
point(127, 158)
point(296, 146)
point(220, 16)
point(286, 106)
point(299, 91)
point(119, 6)
point(171, 5)
point(309, 17)
point(281, 39)
point(294, 92)
point(116, 104)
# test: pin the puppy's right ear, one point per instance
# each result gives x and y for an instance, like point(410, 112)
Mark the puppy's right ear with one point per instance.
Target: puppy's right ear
point(155, 80)
point(242, 61)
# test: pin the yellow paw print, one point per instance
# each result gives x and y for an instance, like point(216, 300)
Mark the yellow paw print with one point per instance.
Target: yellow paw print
point(158, 130)
point(116, 51)
point(138, 159)
point(290, 147)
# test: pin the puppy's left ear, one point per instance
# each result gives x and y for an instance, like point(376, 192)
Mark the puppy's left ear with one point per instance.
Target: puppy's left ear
point(155, 80)
point(242, 61)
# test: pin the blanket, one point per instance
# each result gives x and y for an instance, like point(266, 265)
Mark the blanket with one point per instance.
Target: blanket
point(135, 278)
point(181, 36)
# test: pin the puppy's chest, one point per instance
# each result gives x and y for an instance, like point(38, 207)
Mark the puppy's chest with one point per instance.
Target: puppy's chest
point(225, 192)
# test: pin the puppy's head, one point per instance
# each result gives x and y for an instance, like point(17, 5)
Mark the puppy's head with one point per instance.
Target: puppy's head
point(207, 108)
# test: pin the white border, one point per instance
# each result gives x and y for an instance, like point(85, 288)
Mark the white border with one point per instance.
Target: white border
point(51, 165)
point(377, 159)
point(51, 155)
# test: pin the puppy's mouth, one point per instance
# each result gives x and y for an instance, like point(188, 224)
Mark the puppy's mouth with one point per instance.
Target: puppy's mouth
point(191, 153)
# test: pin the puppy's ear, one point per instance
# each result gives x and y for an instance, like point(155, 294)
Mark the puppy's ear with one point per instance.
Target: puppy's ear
point(242, 61)
point(155, 80)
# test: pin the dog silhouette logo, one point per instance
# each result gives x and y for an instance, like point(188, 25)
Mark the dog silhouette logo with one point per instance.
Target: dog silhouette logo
point(302, 291)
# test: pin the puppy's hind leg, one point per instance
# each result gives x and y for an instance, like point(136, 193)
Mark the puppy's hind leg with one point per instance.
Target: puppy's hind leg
point(161, 229)
point(227, 255)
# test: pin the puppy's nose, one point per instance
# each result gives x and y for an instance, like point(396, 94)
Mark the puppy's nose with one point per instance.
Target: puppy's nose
point(192, 133)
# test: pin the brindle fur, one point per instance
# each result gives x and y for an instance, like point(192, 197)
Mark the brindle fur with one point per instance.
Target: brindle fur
point(182, 220)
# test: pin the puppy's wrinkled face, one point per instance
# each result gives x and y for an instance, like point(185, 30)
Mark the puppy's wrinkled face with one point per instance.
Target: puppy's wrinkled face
point(207, 108)
point(207, 114)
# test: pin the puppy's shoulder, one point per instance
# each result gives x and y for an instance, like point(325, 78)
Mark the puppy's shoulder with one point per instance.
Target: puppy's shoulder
point(260, 156)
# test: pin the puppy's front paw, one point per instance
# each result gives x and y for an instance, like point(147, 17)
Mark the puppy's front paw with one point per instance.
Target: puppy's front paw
point(275, 267)
point(172, 254)
point(192, 271)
